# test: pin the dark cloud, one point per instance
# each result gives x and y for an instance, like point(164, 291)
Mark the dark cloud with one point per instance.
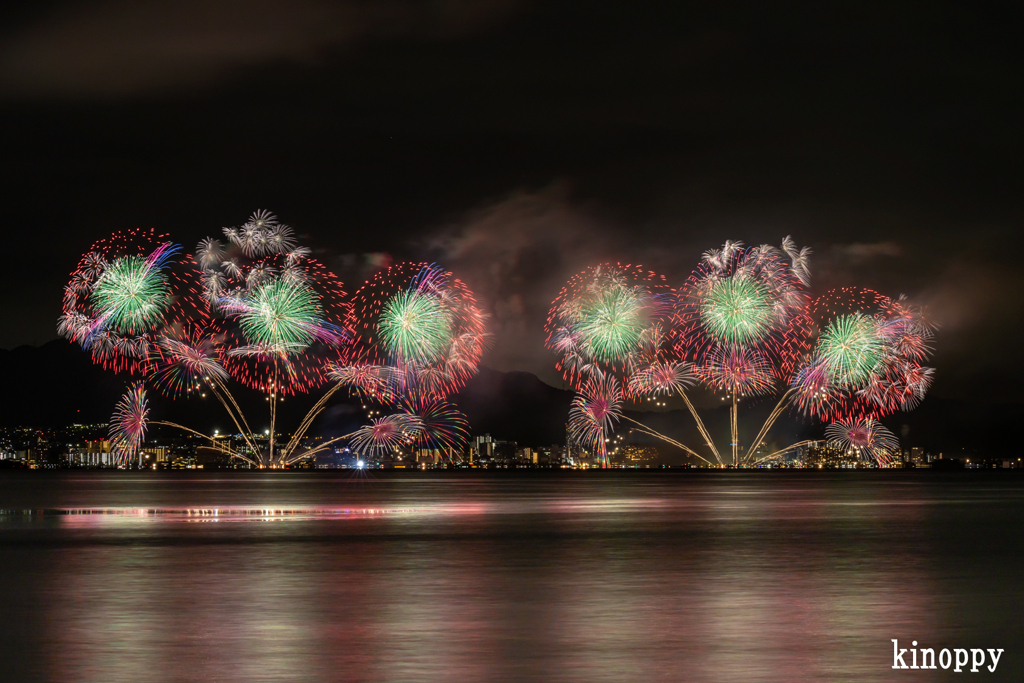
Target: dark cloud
point(122, 48)
point(859, 252)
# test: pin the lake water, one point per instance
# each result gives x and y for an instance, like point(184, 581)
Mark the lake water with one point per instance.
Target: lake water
point(493, 576)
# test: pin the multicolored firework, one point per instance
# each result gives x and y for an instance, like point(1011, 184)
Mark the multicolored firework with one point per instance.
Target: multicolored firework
point(742, 323)
point(741, 371)
point(741, 317)
point(259, 310)
point(609, 319)
point(442, 427)
point(125, 291)
point(415, 328)
point(594, 412)
point(867, 361)
point(386, 434)
point(850, 349)
point(420, 336)
point(737, 311)
point(610, 322)
point(661, 378)
point(868, 439)
point(423, 325)
point(280, 315)
point(607, 328)
point(132, 294)
point(184, 364)
point(372, 382)
point(128, 425)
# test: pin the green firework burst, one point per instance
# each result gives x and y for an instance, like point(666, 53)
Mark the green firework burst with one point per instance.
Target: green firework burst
point(131, 294)
point(415, 327)
point(737, 311)
point(612, 322)
point(281, 314)
point(851, 349)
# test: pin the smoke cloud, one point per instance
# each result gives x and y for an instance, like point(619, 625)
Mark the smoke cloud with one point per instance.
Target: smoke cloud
point(120, 49)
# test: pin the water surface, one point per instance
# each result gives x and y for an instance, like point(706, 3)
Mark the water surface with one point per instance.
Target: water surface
point(528, 576)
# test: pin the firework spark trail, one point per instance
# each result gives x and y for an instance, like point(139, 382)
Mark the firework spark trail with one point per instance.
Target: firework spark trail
point(652, 432)
point(779, 452)
point(293, 458)
point(220, 391)
point(307, 421)
point(227, 450)
point(700, 426)
point(179, 366)
point(777, 412)
point(667, 378)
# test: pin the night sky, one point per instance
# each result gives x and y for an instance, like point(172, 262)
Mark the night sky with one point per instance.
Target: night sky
point(518, 142)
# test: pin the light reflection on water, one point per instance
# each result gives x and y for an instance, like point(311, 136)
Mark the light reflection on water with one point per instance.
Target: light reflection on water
point(476, 577)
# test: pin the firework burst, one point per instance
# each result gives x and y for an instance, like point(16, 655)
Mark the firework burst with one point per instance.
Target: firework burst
point(661, 378)
point(742, 316)
point(415, 327)
point(737, 311)
point(373, 382)
point(282, 314)
point(183, 365)
point(595, 411)
point(386, 434)
point(869, 439)
point(131, 295)
point(851, 348)
point(424, 325)
point(607, 327)
point(867, 360)
point(607, 319)
point(126, 290)
point(279, 314)
point(128, 425)
point(442, 427)
point(741, 319)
